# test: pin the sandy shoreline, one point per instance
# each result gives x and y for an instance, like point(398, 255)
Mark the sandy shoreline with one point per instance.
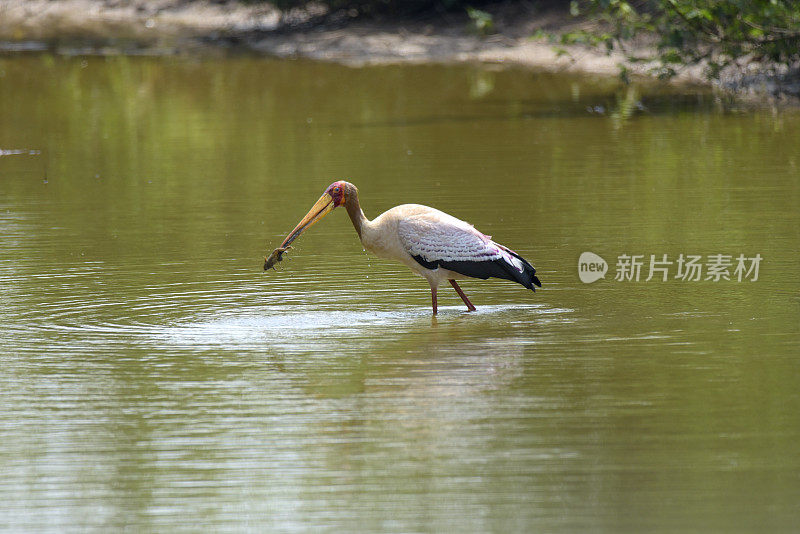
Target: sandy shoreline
point(181, 26)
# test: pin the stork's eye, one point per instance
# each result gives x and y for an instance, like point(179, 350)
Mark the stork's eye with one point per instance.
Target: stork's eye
point(337, 189)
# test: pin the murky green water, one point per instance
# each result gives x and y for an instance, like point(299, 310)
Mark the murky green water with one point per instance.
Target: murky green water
point(153, 377)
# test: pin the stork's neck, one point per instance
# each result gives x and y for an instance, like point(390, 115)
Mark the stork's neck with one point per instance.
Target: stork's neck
point(355, 212)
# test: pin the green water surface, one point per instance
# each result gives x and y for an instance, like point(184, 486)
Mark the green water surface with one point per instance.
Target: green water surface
point(154, 378)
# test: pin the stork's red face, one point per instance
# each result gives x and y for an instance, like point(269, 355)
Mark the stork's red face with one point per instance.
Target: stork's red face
point(336, 191)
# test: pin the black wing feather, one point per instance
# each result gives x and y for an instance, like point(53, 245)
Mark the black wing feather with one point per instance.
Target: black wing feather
point(498, 268)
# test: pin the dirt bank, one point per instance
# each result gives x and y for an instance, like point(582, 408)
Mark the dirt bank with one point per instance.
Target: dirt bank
point(164, 26)
point(176, 26)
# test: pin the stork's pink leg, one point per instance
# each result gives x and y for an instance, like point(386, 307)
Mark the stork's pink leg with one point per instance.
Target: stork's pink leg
point(461, 294)
point(433, 300)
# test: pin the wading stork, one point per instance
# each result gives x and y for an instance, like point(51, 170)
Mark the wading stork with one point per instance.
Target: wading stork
point(433, 244)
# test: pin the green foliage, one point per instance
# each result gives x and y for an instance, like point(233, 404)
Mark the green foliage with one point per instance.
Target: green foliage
point(690, 31)
point(482, 22)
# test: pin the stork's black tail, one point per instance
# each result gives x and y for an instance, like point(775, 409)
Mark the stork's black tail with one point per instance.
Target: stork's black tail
point(498, 268)
point(527, 277)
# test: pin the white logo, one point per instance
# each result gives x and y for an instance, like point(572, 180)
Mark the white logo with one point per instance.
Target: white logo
point(591, 267)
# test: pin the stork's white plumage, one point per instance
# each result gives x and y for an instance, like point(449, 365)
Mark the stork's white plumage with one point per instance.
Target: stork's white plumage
point(433, 244)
